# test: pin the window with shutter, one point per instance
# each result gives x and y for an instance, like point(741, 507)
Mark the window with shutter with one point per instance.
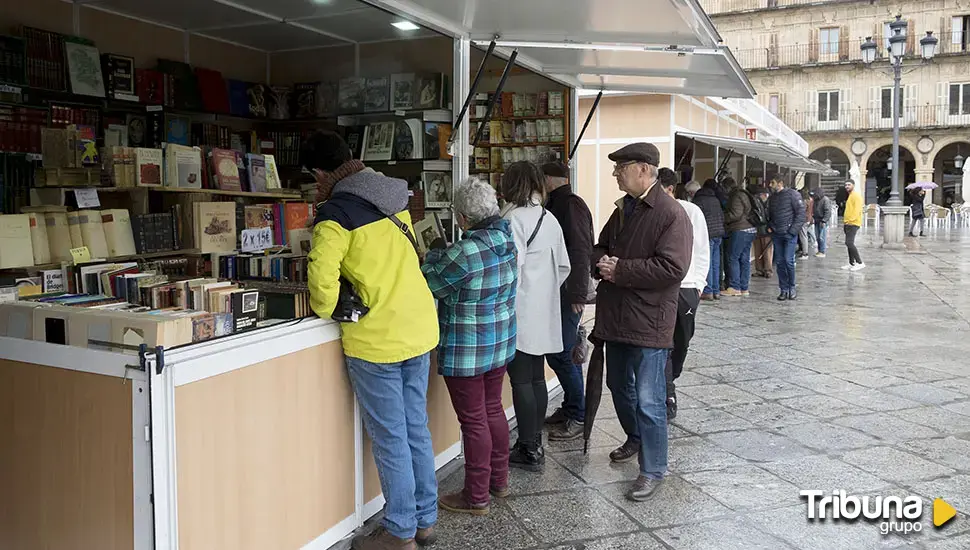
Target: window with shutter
point(910, 37)
point(886, 101)
point(813, 45)
point(828, 106)
point(828, 39)
point(875, 109)
point(773, 101)
point(844, 44)
point(959, 100)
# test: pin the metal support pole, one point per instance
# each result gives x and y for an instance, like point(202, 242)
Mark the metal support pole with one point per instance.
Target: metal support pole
point(473, 90)
point(579, 138)
point(495, 96)
point(897, 76)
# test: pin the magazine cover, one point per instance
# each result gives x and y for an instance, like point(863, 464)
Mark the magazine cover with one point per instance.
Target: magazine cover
point(402, 91)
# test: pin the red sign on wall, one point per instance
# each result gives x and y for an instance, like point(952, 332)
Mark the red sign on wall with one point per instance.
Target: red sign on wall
point(752, 134)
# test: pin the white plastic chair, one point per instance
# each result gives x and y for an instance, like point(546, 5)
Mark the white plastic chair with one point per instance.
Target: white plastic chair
point(871, 213)
point(961, 215)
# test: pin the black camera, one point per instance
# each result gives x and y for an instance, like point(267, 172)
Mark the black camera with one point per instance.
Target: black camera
point(350, 306)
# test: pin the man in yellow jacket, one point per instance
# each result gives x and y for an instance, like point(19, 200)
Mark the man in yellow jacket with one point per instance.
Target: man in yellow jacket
point(358, 236)
point(854, 210)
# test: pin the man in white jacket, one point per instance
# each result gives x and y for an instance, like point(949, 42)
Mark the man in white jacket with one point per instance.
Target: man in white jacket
point(690, 290)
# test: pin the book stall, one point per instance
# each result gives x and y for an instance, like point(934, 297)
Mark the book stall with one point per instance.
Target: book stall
point(165, 383)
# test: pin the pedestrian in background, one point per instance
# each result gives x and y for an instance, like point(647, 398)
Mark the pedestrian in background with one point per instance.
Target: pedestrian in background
point(474, 281)
point(576, 221)
point(806, 233)
point(739, 224)
point(786, 215)
point(642, 255)
point(763, 245)
point(918, 212)
point(708, 203)
point(852, 220)
point(543, 265)
point(821, 214)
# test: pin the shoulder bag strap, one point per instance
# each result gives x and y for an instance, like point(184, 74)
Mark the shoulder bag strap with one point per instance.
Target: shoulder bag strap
point(404, 229)
point(536, 230)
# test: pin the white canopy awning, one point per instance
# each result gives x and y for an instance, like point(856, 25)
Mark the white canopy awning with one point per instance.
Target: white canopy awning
point(774, 153)
point(656, 46)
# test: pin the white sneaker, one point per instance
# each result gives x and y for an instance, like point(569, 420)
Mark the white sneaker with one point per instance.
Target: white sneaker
point(858, 267)
point(847, 267)
point(820, 255)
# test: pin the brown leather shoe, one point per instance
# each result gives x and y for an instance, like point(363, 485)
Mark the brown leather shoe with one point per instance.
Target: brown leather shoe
point(456, 503)
point(500, 492)
point(380, 539)
point(426, 536)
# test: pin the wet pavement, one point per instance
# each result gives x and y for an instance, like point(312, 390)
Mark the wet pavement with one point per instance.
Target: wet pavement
point(862, 384)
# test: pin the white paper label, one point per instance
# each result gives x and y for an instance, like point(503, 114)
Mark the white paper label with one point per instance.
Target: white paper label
point(400, 113)
point(87, 198)
point(255, 240)
point(53, 281)
point(153, 108)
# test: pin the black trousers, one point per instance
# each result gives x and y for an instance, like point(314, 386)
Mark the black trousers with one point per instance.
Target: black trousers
point(690, 298)
point(527, 374)
point(850, 232)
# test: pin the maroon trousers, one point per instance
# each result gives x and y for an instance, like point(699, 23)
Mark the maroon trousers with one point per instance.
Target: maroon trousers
point(485, 432)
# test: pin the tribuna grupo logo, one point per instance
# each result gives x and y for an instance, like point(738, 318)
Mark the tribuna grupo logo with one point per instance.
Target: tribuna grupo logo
point(894, 514)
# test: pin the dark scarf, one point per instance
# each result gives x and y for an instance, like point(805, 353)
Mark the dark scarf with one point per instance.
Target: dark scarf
point(328, 180)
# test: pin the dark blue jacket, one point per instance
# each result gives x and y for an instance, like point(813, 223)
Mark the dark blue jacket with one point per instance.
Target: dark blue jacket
point(707, 200)
point(786, 212)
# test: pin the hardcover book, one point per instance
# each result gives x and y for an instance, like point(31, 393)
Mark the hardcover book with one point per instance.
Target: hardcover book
point(409, 140)
point(215, 226)
point(74, 230)
point(148, 167)
point(137, 131)
point(183, 167)
point(436, 136)
point(117, 232)
point(430, 91)
point(92, 233)
point(256, 96)
point(297, 215)
point(182, 83)
point(225, 170)
point(437, 189)
point(377, 95)
point(352, 94)
point(402, 91)
point(555, 101)
point(40, 244)
point(84, 68)
point(355, 140)
point(258, 216)
point(177, 129)
point(119, 75)
point(279, 102)
point(244, 306)
point(256, 166)
point(213, 89)
point(239, 98)
point(379, 141)
point(150, 86)
point(58, 236)
point(272, 173)
point(326, 99)
point(305, 100)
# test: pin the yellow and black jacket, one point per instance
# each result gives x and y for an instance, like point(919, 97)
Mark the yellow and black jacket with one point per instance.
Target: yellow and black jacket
point(354, 238)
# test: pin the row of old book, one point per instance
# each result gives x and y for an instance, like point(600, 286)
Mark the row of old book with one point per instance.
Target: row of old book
point(524, 131)
point(44, 235)
point(518, 104)
point(183, 167)
point(498, 159)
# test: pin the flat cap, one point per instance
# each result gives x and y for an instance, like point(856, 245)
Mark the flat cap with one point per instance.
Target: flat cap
point(639, 152)
point(555, 169)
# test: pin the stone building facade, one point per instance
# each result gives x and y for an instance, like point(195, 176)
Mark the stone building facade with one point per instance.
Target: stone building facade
point(804, 59)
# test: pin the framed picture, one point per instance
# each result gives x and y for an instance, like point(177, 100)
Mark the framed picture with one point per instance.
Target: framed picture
point(427, 231)
point(84, 67)
point(437, 189)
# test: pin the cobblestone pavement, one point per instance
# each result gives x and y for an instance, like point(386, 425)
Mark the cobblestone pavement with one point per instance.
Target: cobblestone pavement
point(863, 384)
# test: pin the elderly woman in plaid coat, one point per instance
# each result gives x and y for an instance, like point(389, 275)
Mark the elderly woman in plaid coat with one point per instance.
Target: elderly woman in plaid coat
point(475, 281)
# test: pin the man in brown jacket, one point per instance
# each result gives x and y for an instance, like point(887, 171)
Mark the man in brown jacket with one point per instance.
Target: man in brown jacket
point(642, 256)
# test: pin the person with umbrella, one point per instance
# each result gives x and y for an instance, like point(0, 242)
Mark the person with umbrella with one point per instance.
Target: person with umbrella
point(643, 254)
point(917, 209)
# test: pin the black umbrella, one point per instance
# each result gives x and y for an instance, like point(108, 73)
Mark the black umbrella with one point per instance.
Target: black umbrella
point(594, 389)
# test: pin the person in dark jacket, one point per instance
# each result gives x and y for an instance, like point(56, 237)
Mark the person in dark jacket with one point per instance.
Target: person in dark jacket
point(706, 199)
point(643, 254)
point(821, 216)
point(577, 227)
point(918, 211)
point(786, 215)
point(740, 234)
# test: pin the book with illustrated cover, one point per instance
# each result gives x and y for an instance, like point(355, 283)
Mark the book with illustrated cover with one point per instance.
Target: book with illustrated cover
point(557, 130)
point(556, 103)
point(351, 95)
point(427, 231)
point(495, 160)
point(508, 104)
point(215, 226)
point(518, 104)
point(377, 95)
point(482, 160)
point(183, 167)
point(243, 171)
point(379, 141)
point(429, 90)
point(437, 189)
point(326, 99)
point(257, 100)
point(148, 167)
point(542, 106)
point(272, 173)
point(496, 135)
point(355, 140)
point(409, 140)
point(305, 100)
point(279, 102)
point(543, 131)
point(402, 91)
point(225, 170)
point(84, 69)
point(297, 215)
point(256, 165)
point(119, 75)
point(244, 305)
point(436, 136)
point(258, 216)
point(177, 129)
point(531, 104)
point(531, 131)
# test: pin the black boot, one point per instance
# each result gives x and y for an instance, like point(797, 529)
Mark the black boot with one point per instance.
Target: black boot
point(540, 450)
point(783, 296)
point(526, 457)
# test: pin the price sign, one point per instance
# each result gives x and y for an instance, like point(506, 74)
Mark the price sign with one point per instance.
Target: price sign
point(81, 254)
point(87, 198)
point(256, 240)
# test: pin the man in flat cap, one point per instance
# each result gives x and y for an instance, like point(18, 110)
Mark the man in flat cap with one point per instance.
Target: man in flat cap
point(577, 227)
point(643, 254)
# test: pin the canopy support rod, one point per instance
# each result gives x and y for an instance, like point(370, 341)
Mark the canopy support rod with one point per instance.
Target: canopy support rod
point(495, 96)
point(471, 92)
point(723, 166)
point(589, 117)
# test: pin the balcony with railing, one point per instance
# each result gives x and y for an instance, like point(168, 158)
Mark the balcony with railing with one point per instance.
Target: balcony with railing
point(877, 118)
point(714, 7)
point(845, 51)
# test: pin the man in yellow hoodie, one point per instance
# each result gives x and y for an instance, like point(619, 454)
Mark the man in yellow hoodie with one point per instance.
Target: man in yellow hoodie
point(854, 210)
point(362, 237)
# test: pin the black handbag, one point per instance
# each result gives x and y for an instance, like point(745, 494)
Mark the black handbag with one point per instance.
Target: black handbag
point(350, 306)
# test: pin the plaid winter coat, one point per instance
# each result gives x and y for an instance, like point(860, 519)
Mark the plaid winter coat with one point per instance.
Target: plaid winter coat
point(474, 281)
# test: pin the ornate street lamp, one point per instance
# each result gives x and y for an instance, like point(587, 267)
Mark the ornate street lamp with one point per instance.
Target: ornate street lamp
point(897, 50)
point(958, 161)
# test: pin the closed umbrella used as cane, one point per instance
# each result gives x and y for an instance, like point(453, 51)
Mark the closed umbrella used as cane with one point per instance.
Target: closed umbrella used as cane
point(594, 389)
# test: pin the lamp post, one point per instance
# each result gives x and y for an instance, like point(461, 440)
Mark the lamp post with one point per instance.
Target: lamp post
point(897, 50)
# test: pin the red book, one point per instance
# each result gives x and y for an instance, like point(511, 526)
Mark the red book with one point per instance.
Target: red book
point(226, 170)
point(212, 88)
point(150, 86)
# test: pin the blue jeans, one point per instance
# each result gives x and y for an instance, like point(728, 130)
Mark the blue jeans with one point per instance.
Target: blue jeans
point(738, 265)
point(570, 375)
point(822, 235)
point(714, 273)
point(393, 398)
point(785, 246)
point(635, 377)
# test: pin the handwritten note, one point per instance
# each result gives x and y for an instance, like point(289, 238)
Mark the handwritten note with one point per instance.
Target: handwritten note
point(256, 240)
point(87, 198)
point(81, 255)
